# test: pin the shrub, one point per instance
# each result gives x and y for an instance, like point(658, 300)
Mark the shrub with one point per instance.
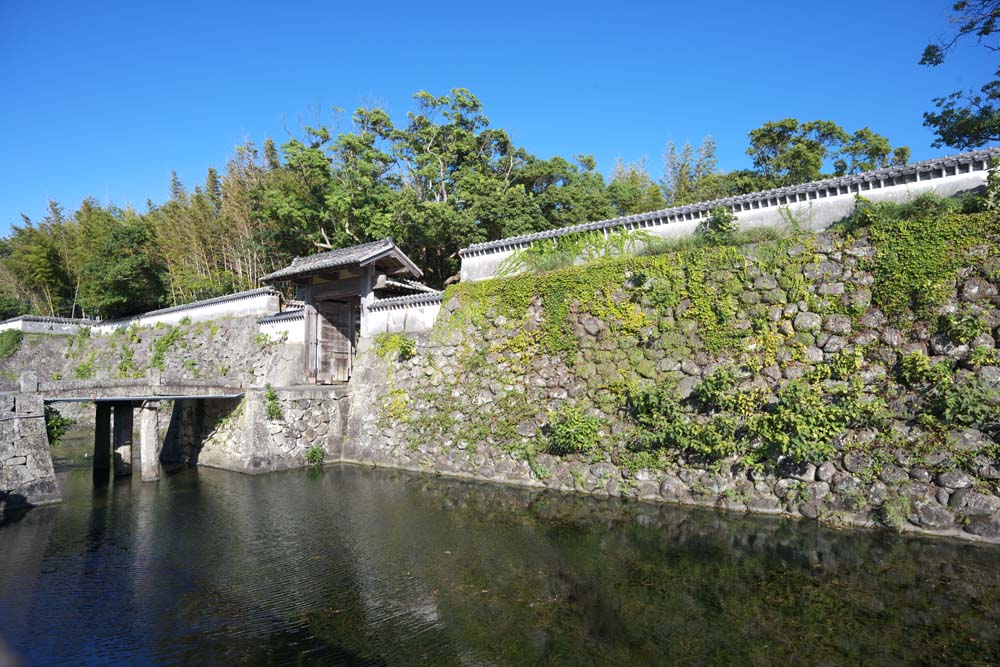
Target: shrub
point(983, 356)
point(916, 369)
point(570, 431)
point(803, 422)
point(85, 369)
point(315, 455)
point(263, 340)
point(127, 367)
point(272, 408)
point(895, 510)
point(164, 344)
point(713, 391)
point(962, 327)
point(395, 345)
point(10, 342)
point(968, 403)
point(569, 249)
point(56, 425)
point(847, 363)
point(720, 223)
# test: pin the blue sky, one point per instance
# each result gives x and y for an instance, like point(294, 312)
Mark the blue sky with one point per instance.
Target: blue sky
point(104, 99)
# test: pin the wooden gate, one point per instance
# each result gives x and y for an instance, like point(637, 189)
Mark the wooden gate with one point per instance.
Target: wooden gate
point(329, 341)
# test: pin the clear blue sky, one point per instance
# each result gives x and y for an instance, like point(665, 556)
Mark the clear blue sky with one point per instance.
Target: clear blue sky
point(104, 99)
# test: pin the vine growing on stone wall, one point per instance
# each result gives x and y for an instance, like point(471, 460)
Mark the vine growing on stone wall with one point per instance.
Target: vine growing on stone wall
point(10, 342)
point(272, 408)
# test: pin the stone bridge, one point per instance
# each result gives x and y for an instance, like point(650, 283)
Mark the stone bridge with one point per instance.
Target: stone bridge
point(26, 473)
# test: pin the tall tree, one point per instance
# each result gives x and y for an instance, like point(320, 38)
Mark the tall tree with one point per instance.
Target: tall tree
point(788, 151)
point(632, 190)
point(120, 279)
point(970, 118)
point(691, 174)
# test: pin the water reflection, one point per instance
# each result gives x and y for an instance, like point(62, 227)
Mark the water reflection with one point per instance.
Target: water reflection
point(368, 567)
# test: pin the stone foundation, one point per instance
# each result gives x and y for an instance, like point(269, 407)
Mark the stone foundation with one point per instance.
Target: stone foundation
point(258, 434)
point(26, 474)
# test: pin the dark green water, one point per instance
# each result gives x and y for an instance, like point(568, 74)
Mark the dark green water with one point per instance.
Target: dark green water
point(356, 566)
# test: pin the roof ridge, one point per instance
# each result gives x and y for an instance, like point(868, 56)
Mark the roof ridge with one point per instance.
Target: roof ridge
point(422, 297)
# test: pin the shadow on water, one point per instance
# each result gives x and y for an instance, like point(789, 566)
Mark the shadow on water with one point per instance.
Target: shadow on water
point(13, 508)
point(354, 566)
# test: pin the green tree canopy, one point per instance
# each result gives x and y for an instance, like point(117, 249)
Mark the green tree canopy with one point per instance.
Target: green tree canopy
point(970, 118)
point(787, 151)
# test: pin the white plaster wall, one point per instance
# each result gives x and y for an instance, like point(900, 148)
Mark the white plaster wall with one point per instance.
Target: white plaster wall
point(815, 214)
point(481, 267)
point(294, 331)
point(29, 326)
point(406, 319)
point(264, 304)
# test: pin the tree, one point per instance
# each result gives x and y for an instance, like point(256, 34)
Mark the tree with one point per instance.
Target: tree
point(631, 189)
point(690, 175)
point(967, 119)
point(787, 152)
point(866, 151)
point(36, 262)
point(121, 279)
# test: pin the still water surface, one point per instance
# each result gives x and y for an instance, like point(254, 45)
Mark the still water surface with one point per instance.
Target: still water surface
point(355, 566)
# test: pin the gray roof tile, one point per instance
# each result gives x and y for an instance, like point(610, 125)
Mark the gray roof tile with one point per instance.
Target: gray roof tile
point(332, 259)
point(408, 300)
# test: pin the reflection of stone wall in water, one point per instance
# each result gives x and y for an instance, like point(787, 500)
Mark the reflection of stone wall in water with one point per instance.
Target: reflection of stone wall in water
point(26, 474)
point(582, 580)
point(476, 399)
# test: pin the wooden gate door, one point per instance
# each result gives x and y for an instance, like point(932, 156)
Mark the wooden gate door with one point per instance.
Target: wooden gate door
point(334, 341)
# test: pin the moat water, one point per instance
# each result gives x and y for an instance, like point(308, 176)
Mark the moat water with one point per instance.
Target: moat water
point(357, 566)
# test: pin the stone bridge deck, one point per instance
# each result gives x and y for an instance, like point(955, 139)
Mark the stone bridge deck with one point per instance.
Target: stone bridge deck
point(153, 387)
point(136, 390)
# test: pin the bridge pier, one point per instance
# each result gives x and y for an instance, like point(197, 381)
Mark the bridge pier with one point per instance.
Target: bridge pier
point(123, 438)
point(149, 441)
point(102, 441)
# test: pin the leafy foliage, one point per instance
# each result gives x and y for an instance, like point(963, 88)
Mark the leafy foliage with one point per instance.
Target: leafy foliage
point(967, 403)
point(395, 346)
point(921, 247)
point(10, 342)
point(787, 151)
point(571, 431)
point(271, 406)
point(315, 455)
point(967, 119)
point(916, 369)
point(438, 181)
point(163, 344)
point(569, 249)
point(963, 326)
point(803, 422)
point(719, 225)
point(56, 425)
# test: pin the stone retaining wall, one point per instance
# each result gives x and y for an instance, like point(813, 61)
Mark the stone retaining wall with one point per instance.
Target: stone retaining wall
point(480, 394)
point(231, 350)
point(259, 434)
point(26, 474)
